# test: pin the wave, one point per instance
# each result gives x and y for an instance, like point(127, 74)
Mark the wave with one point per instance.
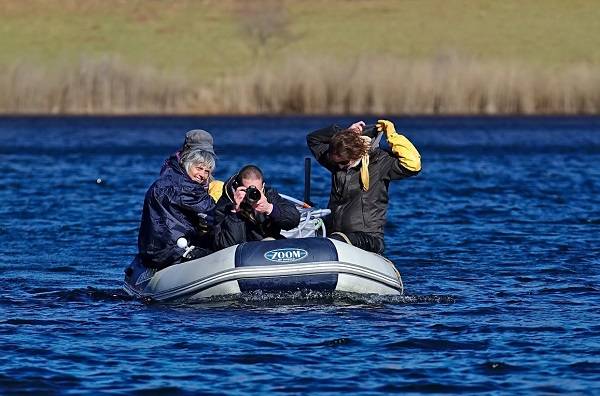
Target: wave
point(91, 294)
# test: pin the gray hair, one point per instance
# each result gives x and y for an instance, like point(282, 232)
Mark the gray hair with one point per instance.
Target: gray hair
point(193, 157)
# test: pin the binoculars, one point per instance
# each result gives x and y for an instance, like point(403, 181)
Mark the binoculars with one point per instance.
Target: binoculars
point(370, 130)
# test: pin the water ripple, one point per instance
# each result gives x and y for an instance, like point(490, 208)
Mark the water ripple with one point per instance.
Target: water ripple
point(496, 240)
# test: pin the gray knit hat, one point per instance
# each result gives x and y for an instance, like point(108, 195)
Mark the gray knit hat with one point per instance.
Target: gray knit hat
point(199, 139)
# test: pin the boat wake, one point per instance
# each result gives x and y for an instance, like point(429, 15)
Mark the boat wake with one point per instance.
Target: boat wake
point(249, 299)
point(315, 298)
point(89, 293)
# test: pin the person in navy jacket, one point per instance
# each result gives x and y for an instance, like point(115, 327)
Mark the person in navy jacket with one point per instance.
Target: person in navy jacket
point(178, 205)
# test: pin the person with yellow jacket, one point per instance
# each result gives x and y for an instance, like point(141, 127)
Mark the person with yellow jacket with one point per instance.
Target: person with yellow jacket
point(360, 177)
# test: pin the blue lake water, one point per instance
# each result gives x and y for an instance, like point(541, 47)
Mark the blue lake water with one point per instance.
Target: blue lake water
point(497, 241)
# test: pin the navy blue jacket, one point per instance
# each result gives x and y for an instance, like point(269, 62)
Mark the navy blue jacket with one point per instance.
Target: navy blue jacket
point(172, 208)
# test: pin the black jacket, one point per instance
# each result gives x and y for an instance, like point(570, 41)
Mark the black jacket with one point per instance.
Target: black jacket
point(172, 208)
point(353, 209)
point(232, 228)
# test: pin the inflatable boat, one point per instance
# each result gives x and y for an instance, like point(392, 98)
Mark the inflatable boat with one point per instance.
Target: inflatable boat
point(315, 263)
point(304, 260)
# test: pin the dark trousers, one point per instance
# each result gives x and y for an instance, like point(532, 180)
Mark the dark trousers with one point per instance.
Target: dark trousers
point(361, 240)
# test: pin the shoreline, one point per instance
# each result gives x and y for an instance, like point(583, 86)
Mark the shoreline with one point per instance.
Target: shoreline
point(147, 116)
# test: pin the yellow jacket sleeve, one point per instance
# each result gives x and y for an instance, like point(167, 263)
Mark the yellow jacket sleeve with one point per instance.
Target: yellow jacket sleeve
point(215, 189)
point(406, 152)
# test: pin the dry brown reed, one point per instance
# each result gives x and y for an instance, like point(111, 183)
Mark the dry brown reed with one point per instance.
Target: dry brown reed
point(444, 85)
point(100, 86)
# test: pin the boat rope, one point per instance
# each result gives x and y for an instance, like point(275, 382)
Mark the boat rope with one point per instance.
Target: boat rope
point(311, 222)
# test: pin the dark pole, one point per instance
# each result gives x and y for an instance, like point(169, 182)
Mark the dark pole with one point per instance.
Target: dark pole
point(307, 165)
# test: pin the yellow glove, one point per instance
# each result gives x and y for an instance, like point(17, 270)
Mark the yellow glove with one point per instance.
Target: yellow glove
point(386, 126)
point(215, 189)
point(407, 154)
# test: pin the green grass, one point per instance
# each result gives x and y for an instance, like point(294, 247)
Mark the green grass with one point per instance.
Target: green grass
point(203, 40)
point(192, 38)
point(548, 32)
point(327, 56)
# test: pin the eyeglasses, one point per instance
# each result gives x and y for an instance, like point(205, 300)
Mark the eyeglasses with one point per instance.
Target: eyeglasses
point(332, 158)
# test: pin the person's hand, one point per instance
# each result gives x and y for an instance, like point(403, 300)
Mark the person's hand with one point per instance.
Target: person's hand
point(263, 206)
point(357, 127)
point(366, 139)
point(386, 126)
point(238, 196)
point(203, 226)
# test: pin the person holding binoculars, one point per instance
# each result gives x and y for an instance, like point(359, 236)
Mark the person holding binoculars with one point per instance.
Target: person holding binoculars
point(361, 173)
point(250, 211)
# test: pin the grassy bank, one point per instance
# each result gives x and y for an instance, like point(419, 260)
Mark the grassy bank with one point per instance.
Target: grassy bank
point(313, 57)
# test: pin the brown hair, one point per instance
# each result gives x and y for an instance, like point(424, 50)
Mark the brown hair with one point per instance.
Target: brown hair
point(348, 145)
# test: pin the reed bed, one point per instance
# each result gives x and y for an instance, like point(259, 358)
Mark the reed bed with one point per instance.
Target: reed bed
point(445, 85)
point(101, 86)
